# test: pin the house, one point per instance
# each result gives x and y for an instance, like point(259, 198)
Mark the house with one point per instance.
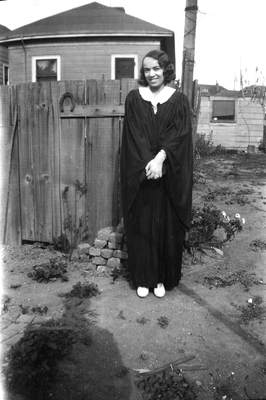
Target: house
point(231, 117)
point(4, 79)
point(89, 42)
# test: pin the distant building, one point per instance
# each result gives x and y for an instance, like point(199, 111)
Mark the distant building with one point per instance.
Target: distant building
point(233, 120)
point(88, 42)
point(4, 70)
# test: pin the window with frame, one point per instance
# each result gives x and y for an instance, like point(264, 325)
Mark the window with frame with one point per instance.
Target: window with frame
point(45, 69)
point(124, 66)
point(223, 111)
point(5, 75)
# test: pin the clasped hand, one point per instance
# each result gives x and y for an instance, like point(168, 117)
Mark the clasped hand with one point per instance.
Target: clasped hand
point(154, 169)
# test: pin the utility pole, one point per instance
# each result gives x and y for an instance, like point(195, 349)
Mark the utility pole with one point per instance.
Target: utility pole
point(189, 49)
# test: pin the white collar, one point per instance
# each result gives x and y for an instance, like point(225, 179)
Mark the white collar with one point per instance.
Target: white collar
point(161, 98)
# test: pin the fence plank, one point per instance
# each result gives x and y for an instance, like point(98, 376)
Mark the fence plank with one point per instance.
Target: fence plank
point(42, 156)
point(72, 161)
point(26, 163)
point(126, 86)
point(5, 149)
point(10, 232)
point(102, 171)
point(102, 161)
point(54, 125)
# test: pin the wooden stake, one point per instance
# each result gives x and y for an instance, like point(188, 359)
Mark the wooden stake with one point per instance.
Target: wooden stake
point(189, 48)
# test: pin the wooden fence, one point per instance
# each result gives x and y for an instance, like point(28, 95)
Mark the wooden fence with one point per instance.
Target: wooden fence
point(56, 139)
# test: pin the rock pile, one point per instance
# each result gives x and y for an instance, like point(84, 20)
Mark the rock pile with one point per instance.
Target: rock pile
point(108, 251)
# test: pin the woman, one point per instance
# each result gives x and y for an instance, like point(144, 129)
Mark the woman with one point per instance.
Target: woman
point(156, 174)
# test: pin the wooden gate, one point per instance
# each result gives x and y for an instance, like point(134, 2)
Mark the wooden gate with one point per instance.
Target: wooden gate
point(62, 138)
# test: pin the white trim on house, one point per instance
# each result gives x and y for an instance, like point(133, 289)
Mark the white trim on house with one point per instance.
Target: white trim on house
point(94, 43)
point(113, 58)
point(126, 34)
point(33, 64)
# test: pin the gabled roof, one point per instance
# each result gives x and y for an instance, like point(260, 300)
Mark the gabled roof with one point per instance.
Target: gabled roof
point(210, 90)
point(3, 29)
point(228, 93)
point(93, 19)
point(217, 90)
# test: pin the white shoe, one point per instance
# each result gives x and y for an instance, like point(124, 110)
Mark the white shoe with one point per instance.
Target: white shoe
point(142, 291)
point(160, 290)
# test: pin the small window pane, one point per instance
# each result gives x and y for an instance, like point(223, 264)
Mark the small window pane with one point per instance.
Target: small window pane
point(6, 75)
point(124, 68)
point(223, 110)
point(46, 70)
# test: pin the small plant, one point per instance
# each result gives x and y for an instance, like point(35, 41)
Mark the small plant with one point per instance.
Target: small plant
point(82, 290)
point(220, 193)
point(75, 228)
point(163, 322)
point(49, 271)
point(253, 310)
point(40, 310)
point(257, 245)
point(5, 303)
point(262, 145)
point(142, 320)
point(204, 146)
point(24, 309)
point(121, 315)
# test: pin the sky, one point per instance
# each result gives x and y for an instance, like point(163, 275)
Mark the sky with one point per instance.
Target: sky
point(230, 34)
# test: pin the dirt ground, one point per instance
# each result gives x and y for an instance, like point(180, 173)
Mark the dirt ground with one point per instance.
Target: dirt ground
point(217, 314)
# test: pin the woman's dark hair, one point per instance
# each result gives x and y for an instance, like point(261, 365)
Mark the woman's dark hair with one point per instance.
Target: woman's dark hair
point(165, 64)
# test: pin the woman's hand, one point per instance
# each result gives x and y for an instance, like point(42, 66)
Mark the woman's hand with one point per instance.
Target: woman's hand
point(154, 168)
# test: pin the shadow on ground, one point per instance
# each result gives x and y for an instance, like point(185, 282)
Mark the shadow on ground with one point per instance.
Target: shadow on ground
point(70, 358)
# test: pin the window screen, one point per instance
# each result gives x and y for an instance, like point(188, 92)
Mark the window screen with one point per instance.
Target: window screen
point(46, 70)
point(223, 110)
point(124, 68)
point(6, 75)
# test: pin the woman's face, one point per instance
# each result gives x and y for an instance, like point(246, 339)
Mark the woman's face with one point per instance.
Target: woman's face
point(153, 73)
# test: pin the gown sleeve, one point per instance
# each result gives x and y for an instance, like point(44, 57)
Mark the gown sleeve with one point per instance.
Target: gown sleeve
point(177, 142)
point(135, 153)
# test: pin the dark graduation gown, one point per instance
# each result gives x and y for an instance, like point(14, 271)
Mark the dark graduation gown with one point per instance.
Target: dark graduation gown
point(156, 212)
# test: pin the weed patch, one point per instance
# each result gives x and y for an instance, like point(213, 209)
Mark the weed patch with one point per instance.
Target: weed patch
point(247, 280)
point(258, 245)
point(83, 290)
point(50, 271)
point(163, 322)
point(254, 310)
point(142, 320)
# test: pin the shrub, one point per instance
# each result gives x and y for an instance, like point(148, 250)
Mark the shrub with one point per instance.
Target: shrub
point(262, 145)
point(204, 146)
point(211, 227)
